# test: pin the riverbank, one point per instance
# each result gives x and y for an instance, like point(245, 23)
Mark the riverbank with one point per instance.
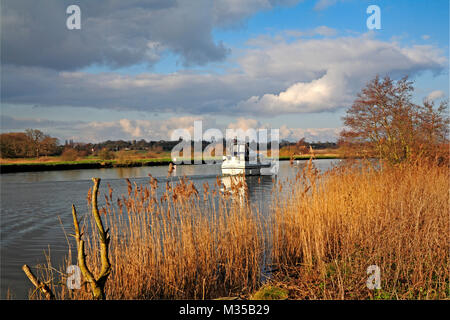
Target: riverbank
point(323, 236)
point(37, 165)
point(81, 164)
point(326, 230)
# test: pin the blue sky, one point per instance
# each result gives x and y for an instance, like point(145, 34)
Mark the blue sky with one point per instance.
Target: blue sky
point(149, 67)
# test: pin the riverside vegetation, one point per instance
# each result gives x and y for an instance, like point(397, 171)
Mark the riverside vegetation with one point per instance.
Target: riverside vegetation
point(321, 234)
point(317, 243)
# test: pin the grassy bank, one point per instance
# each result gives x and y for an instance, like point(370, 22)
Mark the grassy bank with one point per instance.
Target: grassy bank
point(322, 236)
point(79, 164)
point(29, 165)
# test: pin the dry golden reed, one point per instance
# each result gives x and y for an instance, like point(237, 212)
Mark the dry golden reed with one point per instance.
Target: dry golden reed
point(322, 233)
point(177, 243)
point(334, 226)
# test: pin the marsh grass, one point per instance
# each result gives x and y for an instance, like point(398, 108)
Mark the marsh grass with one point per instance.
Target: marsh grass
point(177, 244)
point(335, 225)
point(322, 233)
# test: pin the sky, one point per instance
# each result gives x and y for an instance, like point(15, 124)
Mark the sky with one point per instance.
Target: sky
point(141, 69)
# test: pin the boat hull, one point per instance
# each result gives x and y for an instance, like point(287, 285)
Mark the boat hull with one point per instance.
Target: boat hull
point(230, 169)
point(241, 171)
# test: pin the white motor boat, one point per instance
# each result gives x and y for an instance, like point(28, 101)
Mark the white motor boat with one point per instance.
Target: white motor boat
point(239, 161)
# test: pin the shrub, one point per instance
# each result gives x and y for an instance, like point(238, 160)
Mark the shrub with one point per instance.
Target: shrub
point(69, 155)
point(125, 158)
point(106, 154)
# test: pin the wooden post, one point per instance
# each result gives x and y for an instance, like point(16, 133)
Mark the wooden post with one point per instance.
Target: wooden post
point(97, 285)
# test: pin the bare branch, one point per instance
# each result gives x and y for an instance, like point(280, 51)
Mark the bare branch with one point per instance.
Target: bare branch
point(38, 284)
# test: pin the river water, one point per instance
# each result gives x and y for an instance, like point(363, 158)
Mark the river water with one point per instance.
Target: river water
point(36, 208)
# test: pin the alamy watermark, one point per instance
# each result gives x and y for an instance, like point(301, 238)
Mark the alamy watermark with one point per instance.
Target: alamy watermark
point(73, 22)
point(374, 20)
point(374, 279)
point(74, 277)
point(256, 142)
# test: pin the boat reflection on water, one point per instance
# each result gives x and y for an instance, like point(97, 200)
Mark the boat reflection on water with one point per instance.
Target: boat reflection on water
point(234, 185)
point(248, 188)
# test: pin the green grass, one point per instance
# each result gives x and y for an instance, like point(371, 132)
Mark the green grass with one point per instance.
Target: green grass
point(270, 293)
point(79, 164)
point(84, 161)
point(89, 162)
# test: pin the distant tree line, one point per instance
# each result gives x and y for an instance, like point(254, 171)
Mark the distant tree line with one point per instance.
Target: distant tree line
point(31, 143)
point(117, 145)
point(34, 143)
point(304, 145)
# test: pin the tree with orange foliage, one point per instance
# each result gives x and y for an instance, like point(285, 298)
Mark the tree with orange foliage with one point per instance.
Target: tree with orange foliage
point(302, 147)
point(383, 122)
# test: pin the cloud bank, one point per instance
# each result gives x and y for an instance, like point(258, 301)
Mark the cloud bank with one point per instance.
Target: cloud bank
point(275, 77)
point(127, 129)
point(293, 72)
point(120, 33)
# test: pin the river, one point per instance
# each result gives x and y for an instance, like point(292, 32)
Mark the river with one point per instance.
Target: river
point(36, 208)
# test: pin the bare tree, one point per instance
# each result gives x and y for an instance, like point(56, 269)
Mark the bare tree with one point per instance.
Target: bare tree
point(433, 135)
point(97, 284)
point(27, 144)
point(35, 136)
point(383, 122)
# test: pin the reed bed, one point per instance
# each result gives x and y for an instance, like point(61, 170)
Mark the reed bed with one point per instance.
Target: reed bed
point(322, 233)
point(332, 227)
point(177, 244)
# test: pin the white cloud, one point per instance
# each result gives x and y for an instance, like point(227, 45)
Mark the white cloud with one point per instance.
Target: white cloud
point(325, 93)
point(325, 74)
point(274, 76)
point(434, 95)
point(245, 124)
point(121, 33)
point(310, 134)
point(323, 4)
point(325, 31)
point(128, 129)
point(321, 30)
